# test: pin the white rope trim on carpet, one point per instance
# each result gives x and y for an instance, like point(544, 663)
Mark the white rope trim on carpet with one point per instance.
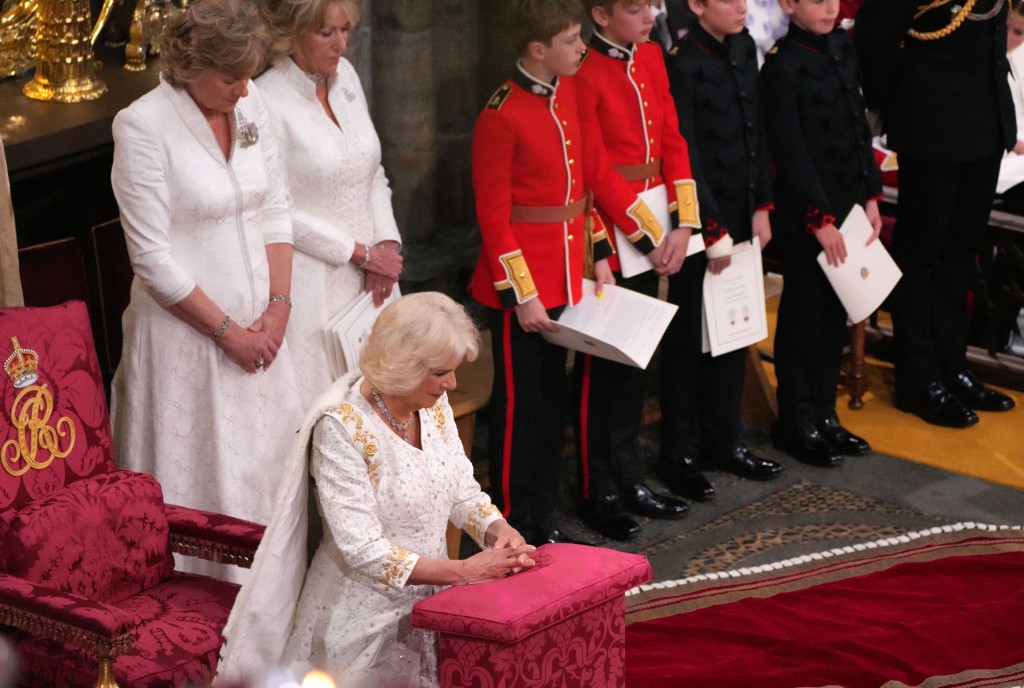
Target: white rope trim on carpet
point(821, 556)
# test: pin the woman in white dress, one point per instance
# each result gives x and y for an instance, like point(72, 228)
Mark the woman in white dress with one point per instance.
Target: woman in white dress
point(390, 472)
point(346, 239)
point(204, 395)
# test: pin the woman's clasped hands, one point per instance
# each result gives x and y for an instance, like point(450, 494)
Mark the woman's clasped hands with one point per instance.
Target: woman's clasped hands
point(504, 559)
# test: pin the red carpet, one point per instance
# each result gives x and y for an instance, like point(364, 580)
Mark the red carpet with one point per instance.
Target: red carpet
point(936, 609)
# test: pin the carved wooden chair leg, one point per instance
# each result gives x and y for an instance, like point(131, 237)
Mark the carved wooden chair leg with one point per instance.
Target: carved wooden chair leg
point(856, 382)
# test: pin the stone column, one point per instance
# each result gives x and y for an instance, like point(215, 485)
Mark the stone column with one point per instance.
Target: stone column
point(404, 105)
point(456, 62)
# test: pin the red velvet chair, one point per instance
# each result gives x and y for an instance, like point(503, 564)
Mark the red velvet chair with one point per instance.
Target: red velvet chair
point(88, 591)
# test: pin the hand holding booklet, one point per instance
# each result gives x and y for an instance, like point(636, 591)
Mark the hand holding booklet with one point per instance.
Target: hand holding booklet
point(733, 303)
point(347, 331)
point(869, 273)
point(634, 262)
point(621, 325)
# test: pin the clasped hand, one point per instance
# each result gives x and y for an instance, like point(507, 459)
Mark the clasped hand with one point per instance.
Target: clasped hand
point(498, 562)
point(669, 255)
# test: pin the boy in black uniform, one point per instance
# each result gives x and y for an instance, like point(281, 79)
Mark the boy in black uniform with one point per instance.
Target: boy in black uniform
point(713, 75)
point(938, 74)
point(819, 138)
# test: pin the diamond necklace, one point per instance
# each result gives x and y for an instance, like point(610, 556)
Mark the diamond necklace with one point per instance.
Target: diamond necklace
point(400, 427)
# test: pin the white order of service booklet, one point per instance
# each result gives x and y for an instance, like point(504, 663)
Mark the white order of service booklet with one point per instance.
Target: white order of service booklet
point(632, 261)
point(621, 325)
point(346, 332)
point(869, 273)
point(734, 311)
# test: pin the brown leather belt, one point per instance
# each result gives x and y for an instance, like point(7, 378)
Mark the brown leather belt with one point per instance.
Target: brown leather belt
point(549, 213)
point(637, 173)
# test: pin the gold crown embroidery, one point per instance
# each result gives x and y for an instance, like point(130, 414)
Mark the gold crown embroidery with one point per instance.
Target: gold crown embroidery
point(22, 365)
point(30, 415)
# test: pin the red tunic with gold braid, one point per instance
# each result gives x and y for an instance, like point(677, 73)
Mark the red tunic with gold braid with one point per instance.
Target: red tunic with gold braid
point(529, 151)
point(625, 102)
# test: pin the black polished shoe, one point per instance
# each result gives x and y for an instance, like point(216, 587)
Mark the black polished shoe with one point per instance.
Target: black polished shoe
point(938, 406)
point(750, 466)
point(683, 477)
point(842, 440)
point(643, 502)
point(807, 445)
point(974, 394)
point(608, 517)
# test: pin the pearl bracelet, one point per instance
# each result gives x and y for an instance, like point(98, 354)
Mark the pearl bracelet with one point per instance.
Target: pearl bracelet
point(366, 259)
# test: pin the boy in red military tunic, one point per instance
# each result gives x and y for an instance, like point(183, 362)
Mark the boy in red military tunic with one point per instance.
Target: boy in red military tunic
point(531, 170)
point(624, 102)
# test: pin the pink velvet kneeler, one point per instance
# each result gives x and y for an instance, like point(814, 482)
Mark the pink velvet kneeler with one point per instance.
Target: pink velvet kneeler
point(561, 623)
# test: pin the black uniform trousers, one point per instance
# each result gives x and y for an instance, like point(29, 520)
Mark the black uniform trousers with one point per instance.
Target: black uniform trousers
point(526, 422)
point(700, 393)
point(941, 218)
point(809, 336)
point(611, 407)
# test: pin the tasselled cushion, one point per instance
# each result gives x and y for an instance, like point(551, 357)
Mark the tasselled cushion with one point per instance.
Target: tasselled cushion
point(102, 538)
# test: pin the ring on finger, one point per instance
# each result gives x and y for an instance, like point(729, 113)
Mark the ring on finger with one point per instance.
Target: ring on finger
point(260, 361)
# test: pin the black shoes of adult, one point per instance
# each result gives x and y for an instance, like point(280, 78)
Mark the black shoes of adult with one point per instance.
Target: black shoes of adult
point(974, 394)
point(683, 477)
point(807, 445)
point(938, 406)
point(609, 518)
point(642, 501)
point(750, 466)
point(842, 440)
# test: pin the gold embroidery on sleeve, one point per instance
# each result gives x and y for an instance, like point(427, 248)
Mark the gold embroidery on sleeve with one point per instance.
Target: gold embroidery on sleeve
point(474, 522)
point(397, 564)
point(649, 224)
point(519, 276)
point(354, 424)
point(689, 208)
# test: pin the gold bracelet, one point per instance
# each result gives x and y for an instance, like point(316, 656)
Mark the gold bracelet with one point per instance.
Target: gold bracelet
point(464, 566)
point(282, 298)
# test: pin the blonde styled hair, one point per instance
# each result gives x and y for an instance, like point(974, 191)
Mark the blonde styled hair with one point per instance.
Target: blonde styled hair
point(414, 335)
point(290, 20)
point(226, 35)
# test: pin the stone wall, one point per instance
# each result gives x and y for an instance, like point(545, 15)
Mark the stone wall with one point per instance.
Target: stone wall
point(427, 67)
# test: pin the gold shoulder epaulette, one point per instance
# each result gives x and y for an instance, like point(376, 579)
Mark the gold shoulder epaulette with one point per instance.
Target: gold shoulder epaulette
point(499, 97)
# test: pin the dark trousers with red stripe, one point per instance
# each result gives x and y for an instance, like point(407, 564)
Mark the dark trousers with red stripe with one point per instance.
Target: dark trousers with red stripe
point(610, 415)
point(526, 422)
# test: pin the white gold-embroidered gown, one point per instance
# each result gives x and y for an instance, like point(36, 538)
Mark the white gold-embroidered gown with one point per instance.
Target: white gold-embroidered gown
point(213, 435)
point(339, 195)
point(384, 504)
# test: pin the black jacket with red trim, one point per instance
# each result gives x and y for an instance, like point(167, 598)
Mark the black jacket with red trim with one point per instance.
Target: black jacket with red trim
point(817, 130)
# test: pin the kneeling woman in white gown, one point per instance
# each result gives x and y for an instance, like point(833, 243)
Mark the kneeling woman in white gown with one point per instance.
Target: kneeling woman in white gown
point(389, 472)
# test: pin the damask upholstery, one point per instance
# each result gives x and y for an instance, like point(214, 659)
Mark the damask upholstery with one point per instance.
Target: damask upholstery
point(104, 539)
point(87, 584)
point(561, 623)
